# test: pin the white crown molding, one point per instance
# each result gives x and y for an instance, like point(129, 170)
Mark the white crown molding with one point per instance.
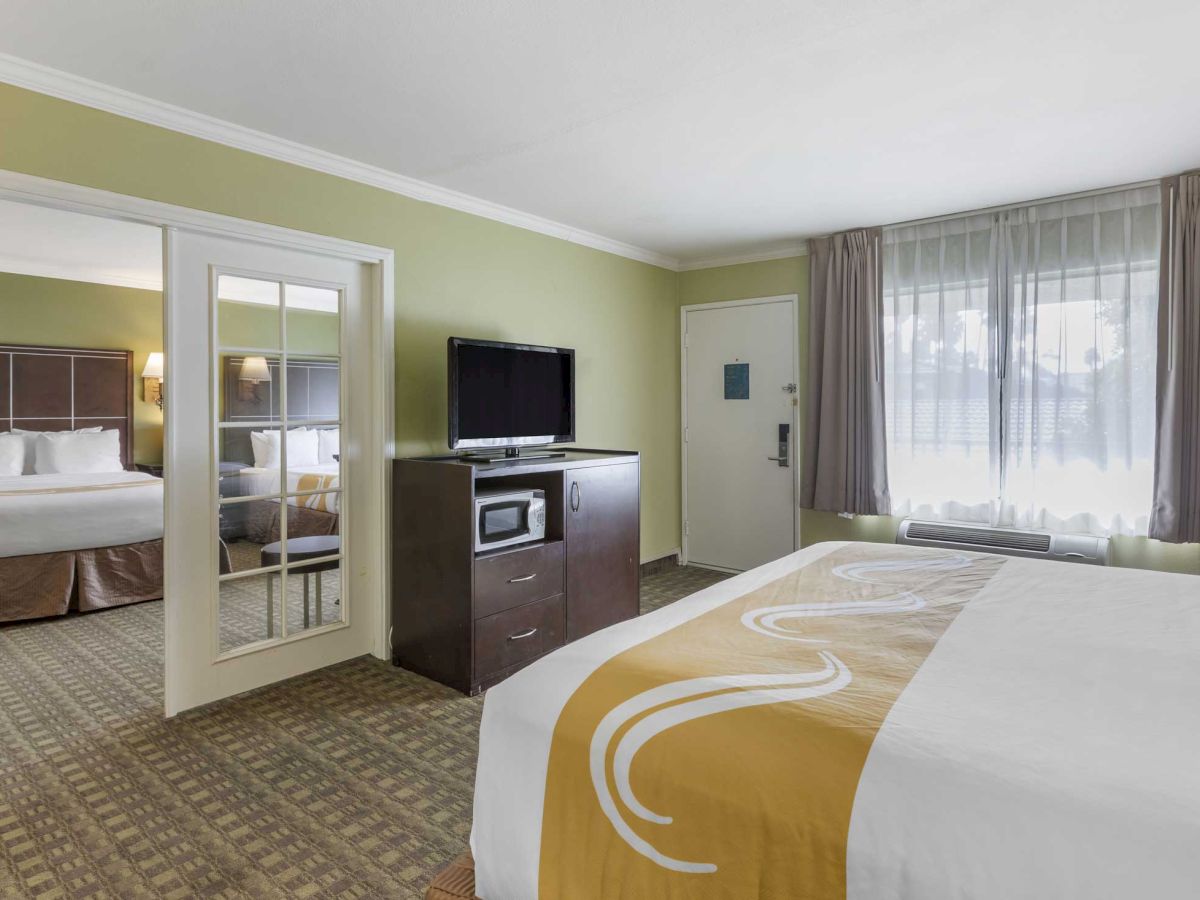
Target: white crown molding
point(67, 272)
point(65, 86)
point(736, 259)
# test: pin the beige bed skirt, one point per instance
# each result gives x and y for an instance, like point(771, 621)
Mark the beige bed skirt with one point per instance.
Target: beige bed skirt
point(50, 584)
point(262, 521)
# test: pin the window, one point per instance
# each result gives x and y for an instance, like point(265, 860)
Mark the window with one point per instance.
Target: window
point(1020, 354)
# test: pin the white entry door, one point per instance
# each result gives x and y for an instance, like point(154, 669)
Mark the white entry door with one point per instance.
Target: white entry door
point(274, 481)
point(739, 418)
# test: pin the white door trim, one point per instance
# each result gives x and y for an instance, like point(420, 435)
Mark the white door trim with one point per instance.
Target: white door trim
point(794, 300)
point(23, 188)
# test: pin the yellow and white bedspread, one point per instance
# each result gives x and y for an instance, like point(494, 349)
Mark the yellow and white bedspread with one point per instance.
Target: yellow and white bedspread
point(312, 480)
point(864, 721)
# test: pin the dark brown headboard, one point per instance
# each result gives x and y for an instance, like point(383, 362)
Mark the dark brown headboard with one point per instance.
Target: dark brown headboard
point(62, 388)
point(312, 394)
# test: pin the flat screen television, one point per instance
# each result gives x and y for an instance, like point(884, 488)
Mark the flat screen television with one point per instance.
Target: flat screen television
point(505, 396)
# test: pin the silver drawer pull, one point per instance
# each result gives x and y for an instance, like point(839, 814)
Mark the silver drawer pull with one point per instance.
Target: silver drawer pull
point(522, 578)
point(523, 634)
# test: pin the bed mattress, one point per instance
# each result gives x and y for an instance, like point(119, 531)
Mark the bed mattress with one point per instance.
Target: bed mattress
point(861, 721)
point(49, 513)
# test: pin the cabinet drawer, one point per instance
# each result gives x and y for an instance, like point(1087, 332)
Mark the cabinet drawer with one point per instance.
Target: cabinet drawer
point(516, 635)
point(508, 580)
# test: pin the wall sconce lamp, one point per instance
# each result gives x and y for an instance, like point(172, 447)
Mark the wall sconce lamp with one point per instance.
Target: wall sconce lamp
point(254, 372)
point(152, 380)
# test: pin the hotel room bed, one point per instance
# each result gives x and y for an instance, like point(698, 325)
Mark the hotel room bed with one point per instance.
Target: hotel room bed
point(316, 514)
point(858, 720)
point(95, 538)
point(84, 541)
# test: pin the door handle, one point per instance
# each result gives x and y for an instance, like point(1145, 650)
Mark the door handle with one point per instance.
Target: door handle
point(576, 497)
point(530, 632)
point(522, 578)
point(784, 444)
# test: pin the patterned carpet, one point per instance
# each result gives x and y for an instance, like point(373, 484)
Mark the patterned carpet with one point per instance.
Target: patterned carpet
point(354, 781)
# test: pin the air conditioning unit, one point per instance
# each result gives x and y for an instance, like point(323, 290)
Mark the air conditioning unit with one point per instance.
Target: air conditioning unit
point(1079, 548)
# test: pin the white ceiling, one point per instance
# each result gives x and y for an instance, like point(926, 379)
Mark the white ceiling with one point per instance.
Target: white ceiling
point(693, 129)
point(52, 243)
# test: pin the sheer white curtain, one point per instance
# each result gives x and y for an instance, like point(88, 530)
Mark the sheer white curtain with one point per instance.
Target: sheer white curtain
point(942, 438)
point(1020, 364)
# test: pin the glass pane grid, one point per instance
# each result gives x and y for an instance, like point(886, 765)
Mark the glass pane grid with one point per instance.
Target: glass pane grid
point(247, 498)
point(299, 565)
point(251, 423)
point(247, 573)
point(230, 350)
point(275, 423)
point(293, 390)
point(334, 493)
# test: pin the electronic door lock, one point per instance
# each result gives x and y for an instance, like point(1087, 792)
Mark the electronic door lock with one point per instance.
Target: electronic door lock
point(784, 444)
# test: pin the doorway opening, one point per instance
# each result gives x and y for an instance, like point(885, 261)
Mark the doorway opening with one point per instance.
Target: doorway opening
point(82, 528)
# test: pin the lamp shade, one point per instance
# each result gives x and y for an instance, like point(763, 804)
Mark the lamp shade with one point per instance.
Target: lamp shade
point(254, 368)
point(154, 366)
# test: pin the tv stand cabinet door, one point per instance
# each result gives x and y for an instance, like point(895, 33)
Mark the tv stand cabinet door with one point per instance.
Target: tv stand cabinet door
point(602, 546)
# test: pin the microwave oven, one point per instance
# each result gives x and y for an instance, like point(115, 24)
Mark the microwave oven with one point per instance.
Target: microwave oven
point(504, 517)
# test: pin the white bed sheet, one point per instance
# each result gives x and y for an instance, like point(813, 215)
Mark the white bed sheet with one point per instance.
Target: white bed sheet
point(1046, 748)
point(84, 515)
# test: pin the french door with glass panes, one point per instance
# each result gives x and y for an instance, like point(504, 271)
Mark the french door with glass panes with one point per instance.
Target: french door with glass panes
point(271, 571)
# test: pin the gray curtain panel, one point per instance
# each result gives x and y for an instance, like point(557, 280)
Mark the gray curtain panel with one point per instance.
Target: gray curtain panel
point(845, 454)
point(1175, 515)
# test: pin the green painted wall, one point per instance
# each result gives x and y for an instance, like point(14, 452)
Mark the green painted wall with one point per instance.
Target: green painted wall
point(252, 325)
point(790, 276)
point(460, 274)
point(455, 274)
point(59, 313)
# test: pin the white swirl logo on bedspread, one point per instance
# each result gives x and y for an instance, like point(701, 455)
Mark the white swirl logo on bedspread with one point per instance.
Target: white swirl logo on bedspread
point(765, 620)
point(668, 705)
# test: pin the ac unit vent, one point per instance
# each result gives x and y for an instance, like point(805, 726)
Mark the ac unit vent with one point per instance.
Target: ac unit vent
point(1081, 548)
point(997, 538)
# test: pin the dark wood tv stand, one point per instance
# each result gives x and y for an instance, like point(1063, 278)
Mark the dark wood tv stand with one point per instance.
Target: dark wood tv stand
point(470, 619)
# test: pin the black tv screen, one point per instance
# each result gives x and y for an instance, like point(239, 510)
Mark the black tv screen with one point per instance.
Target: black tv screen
point(504, 395)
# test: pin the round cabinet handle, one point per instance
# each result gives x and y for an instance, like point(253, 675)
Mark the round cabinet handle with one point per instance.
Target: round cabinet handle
point(522, 634)
point(522, 578)
point(576, 496)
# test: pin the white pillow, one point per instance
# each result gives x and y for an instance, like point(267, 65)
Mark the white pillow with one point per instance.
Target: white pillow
point(302, 448)
point(262, 449)
point(31, 443)
point(330, 443)
point(73, 452)
point(12, 454)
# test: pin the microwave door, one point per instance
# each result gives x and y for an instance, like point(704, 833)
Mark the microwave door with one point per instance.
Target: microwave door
point(504, 521)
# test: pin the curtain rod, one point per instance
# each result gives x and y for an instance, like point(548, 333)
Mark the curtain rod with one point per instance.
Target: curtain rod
point(1007, 206)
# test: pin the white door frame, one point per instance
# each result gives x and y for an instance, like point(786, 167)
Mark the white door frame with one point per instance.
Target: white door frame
point(794, 300)
point(23, 188)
